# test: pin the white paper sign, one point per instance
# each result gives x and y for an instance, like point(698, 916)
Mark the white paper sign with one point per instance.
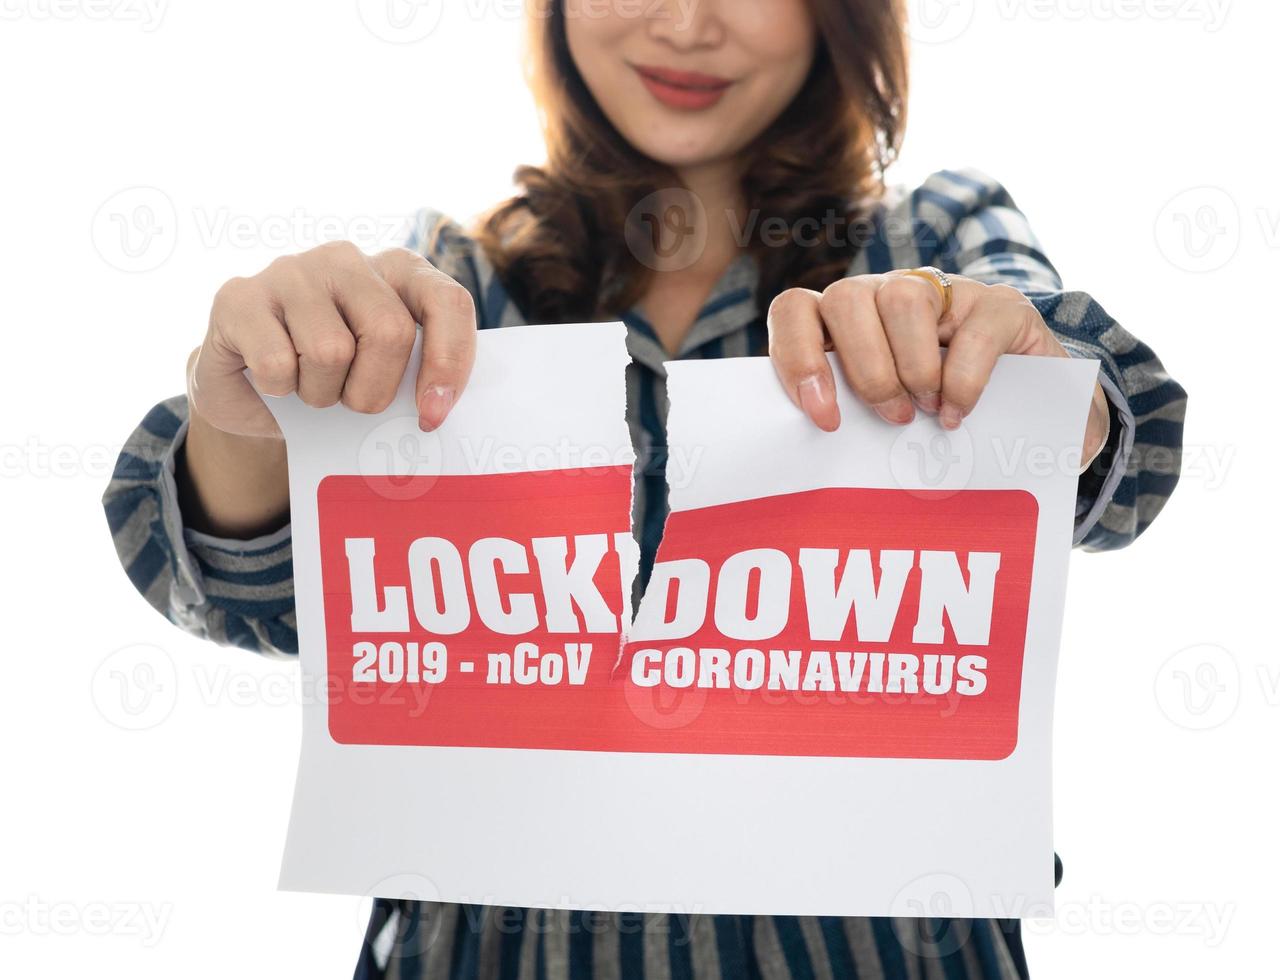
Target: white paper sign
point(837, 696)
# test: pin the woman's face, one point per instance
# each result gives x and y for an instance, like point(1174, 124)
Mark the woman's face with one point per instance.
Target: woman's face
point(691, 82)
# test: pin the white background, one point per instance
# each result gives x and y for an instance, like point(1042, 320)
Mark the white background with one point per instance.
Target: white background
point(1116, 123)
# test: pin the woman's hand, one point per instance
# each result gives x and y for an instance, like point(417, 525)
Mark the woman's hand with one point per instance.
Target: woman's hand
point(333, 325)
point(886, 331)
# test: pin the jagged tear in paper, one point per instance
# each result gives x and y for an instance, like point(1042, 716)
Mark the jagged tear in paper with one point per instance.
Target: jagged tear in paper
point(837, 695)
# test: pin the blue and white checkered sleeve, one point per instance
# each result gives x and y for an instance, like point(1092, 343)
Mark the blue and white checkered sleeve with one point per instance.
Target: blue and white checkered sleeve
point(237, 593)
point(985, 237)
point(442, 242)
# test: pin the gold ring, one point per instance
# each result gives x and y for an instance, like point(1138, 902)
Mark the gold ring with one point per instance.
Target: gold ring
point(940, 279)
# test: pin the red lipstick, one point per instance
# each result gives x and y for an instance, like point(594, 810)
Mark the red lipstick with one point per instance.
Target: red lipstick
point(687, 90)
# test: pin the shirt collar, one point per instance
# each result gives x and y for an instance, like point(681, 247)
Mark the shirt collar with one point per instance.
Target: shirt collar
point(730, 309)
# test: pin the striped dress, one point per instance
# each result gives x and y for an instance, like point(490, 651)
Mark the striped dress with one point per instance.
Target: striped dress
point(241, 593)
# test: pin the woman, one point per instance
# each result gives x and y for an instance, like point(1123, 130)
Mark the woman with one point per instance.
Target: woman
point(714, 179)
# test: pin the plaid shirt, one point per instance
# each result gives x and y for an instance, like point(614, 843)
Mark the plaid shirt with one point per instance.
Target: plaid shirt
point(241, 593)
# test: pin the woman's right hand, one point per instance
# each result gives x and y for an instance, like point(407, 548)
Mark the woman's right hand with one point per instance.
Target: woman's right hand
point(332, 324)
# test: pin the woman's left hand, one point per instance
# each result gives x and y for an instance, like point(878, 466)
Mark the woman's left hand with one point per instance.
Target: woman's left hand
point(886, 331)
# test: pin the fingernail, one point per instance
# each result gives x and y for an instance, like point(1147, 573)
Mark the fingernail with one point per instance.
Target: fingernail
point(896, 411)
point(929, 402)
point(950, 416)
point(434, 407)
point(812, 394)
point(815, 399)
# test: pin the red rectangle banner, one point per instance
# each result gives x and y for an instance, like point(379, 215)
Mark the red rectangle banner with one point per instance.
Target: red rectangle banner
point(486, 611)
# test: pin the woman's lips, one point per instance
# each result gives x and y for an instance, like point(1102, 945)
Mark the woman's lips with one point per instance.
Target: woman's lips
point(683, 89)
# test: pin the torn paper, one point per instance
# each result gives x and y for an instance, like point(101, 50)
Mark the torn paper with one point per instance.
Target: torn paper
point(837, 695)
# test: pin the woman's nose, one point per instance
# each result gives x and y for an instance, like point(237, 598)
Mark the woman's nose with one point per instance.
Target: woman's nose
point(686, 24)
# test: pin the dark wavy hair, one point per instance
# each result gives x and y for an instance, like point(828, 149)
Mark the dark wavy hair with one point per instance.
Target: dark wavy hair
point(560, 244)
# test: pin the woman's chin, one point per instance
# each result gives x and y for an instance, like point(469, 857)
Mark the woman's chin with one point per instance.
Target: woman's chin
point(685, 155)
